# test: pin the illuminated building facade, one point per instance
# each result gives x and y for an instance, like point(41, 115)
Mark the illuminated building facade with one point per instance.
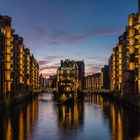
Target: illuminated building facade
point(88, 82)
point(34, 71)
point(81, 74)
point(94, 81)
point(115, 64)
point(67, 77)
point(41, 81)
point(105, 77)
point(97, 81)
point(134, 51)
point(110, 64)
point(53, 81)
point(27, 69)
point(19, 71)
point(6, 54)
point(124, 63)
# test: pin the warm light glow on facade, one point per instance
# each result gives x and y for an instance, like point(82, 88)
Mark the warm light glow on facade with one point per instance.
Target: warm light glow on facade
point(15, 63)
point(131, 66)
point(131, 50)
point(131, 21)
point(8, 41)
point(8, 50)
point(7, 59)
point(131, 32)
point(8, 77)
point(67, 77)
point(131, 41)
point(8, 32)
point(28, 81)
point(20, 79)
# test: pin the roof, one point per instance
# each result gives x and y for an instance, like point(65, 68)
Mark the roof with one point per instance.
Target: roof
point(68, 64)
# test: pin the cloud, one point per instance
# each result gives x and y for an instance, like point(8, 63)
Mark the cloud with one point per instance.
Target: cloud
point(49, 68)
point(93, 68)
point(55, 37)
point(94, 63)
point(46, 75)
point(43, 62)
point(92, 57)
point(62, 37)
point(39, 30)
point(49, 65)
point(48, 60)
point(52, 57)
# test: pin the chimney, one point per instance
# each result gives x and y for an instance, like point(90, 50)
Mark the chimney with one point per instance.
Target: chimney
point(61, 62)
point(139, 7)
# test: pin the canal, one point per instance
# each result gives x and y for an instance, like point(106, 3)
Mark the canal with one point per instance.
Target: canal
point(44, 119)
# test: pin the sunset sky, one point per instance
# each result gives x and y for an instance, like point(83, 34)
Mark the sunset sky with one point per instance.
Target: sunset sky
point(74, 29)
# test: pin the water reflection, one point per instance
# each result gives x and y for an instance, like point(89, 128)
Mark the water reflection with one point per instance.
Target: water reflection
point(124, 124)
point(70, 117)
point(15, 124)
point(96, 118)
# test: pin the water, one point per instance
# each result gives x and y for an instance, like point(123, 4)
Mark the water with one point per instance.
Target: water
point(94, 119)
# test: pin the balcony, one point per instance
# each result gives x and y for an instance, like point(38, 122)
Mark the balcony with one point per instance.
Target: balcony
point(137, 65)
point(137, 33)
point(137, 26)
point(137, 45)
point(137, 36)
point(137, 53)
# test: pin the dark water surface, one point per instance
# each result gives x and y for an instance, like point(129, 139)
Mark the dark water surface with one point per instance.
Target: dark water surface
point(94, 119)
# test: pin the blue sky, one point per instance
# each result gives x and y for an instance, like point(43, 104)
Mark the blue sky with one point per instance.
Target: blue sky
point(74, 29)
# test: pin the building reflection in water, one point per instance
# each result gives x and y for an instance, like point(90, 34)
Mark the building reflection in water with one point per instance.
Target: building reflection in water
point(70, 117)
point(21, 122)
point(16, 124)
point(124, 124)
